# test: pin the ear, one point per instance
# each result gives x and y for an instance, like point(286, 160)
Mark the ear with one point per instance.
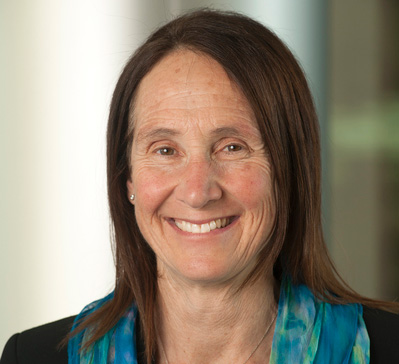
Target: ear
point(130, 190)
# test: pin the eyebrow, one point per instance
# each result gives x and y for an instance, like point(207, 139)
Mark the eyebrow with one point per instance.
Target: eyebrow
point(157, 133)
point(167, 132)
point(226, 130)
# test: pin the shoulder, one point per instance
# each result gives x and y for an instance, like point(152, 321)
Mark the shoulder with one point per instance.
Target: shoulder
point(39, 345)
point(383, 330)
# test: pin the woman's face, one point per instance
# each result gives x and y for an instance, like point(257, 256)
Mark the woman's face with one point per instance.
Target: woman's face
point(200, 173)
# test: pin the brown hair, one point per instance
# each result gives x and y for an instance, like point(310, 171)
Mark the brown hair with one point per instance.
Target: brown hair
point(276, 88)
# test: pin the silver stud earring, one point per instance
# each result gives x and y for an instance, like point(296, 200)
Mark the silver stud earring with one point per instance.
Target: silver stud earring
point(132, 197)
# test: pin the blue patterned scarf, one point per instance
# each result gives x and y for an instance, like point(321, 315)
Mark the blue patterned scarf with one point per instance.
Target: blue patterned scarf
point(311, 331)
point(307, 331)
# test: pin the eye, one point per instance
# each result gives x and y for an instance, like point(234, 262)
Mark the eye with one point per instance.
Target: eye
point(166, 151)
point(233, 148)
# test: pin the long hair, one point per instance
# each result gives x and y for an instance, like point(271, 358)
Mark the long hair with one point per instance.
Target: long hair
point(276, 89)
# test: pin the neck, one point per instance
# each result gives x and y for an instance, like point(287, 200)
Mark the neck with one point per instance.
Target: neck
point(217, 324)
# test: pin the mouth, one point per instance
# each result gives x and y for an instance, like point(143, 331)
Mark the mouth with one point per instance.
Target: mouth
point(205, 227)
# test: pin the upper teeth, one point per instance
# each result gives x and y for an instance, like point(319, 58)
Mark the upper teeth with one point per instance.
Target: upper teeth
point(201, 228)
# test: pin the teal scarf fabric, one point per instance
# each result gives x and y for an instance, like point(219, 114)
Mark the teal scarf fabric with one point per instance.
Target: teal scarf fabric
point(307, 331)
point(117, 346)
point(311, 331)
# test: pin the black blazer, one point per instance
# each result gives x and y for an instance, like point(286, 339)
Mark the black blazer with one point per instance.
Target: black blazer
point(40, 345)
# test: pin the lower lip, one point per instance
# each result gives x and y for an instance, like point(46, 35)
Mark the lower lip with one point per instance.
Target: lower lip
point(210, 233)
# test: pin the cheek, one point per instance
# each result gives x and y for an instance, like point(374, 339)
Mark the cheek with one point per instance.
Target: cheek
point(152, 186)
point(252, 185)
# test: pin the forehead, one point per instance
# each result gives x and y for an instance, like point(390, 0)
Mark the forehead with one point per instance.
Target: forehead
point(184, 70)
point(188, 84)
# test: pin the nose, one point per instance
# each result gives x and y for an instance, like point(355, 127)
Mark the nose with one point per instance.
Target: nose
point(198, 185)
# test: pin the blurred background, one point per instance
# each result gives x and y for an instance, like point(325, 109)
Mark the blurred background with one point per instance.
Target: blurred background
point(59, 64)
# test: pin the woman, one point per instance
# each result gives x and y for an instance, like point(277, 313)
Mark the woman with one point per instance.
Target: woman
point(214, 193)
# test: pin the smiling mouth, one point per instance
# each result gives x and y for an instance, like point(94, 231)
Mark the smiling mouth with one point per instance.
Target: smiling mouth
point(203, 228)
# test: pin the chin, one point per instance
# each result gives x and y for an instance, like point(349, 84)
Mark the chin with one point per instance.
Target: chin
point(205, 272)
